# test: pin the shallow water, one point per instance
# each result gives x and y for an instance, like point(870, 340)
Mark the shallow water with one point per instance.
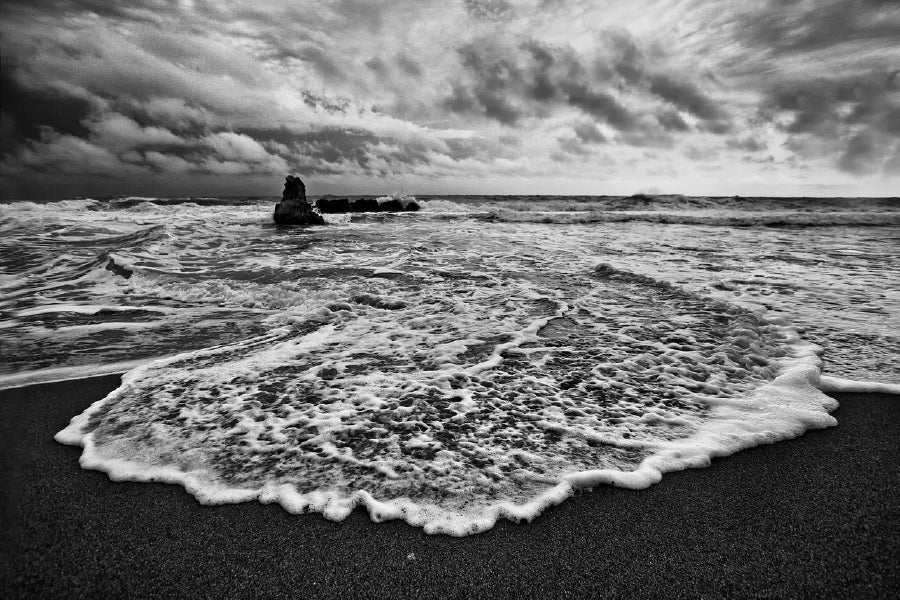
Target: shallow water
point(476, 360)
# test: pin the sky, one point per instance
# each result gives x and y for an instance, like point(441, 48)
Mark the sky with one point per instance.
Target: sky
point(203, 98)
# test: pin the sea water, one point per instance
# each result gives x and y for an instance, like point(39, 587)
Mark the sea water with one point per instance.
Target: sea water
point(480, 359)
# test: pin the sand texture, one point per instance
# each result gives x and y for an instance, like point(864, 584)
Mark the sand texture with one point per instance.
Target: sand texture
point(818, 516)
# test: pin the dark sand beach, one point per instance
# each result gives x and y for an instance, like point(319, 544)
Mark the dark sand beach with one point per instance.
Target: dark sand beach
point(814, 517)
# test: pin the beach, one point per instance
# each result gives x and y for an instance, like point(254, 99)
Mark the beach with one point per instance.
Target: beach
point(817, 516)
point(479, 299)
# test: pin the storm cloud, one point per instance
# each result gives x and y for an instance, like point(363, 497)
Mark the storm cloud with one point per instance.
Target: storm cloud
point(500, 95)
point(534, 80)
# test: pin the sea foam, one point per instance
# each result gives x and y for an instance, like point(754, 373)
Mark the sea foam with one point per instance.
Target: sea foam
point(448, 367)
point(451, 415)
point(717, 218)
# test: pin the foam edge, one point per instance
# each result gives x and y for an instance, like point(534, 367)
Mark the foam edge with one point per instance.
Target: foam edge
point(784, 408)
point(791, 399)
point(836, 385)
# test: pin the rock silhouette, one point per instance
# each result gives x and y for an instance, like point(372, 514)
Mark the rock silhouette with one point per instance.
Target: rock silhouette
point(364, 205)
point(345, 205)
point(294, 209)
point(333, 205)
point(392, 205)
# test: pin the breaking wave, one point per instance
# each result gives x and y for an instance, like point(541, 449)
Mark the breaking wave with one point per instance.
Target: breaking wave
point(451, 366)
point(735, 219)
point(451, 415)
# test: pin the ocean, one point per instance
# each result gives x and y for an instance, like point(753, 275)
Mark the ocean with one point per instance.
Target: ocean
point(483, 358)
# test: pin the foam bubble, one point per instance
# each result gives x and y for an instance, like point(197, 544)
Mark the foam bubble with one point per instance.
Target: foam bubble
point(451, 419)
point(444, 206)
point(834, 385)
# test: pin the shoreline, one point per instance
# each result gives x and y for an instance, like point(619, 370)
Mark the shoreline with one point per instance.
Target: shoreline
point(12, 381)
point(818, 515)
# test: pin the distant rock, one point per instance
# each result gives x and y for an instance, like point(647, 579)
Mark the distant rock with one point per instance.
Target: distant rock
point(118, 269)
point(294, 209)
point(364, 205)
point(391, 205)
point(333, 205)
point(396, 203)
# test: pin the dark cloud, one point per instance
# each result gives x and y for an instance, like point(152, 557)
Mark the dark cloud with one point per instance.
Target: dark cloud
point(392, 78)
point(765, 160)
point(330, 150)
point(182, 118)
point(460, 100)
point(508, 84)
point(701, 154)
point(408, 65)
point(30, 111)
point(141, 11)
point(117, 146)
point(625, 58)
point(852, 119)
point(653, 137)
point(671, 121)
point(789, 27)
point(589, 133)
point(204, 89)
point(861, 154)
point(687, 96)
point(822, 105)
point(541, 86)
point(495, 82)
point(331, 146)
point(316, 56)
point(892, 165)
point(584, 141)
point(599, 104)
point(571, 145)
point(890, 121)
point(628, 62)
point(718, 127)
point(378, 66)
point(498, 106)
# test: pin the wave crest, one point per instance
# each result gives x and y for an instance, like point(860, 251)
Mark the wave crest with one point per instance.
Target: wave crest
point(742, 219)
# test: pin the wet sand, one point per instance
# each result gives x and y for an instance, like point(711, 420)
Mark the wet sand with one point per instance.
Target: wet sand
point(814, 517)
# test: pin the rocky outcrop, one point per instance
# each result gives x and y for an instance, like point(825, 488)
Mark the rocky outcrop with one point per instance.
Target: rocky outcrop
point(333, 205)
point(392, 205)
point(360, 205)
point(294, 209)
point(364, 205)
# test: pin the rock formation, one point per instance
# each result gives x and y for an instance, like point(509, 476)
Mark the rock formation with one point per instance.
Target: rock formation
point(392, 205)
point(345, 205)
point(294, 208)
point(333, 205)
point(364, 205)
